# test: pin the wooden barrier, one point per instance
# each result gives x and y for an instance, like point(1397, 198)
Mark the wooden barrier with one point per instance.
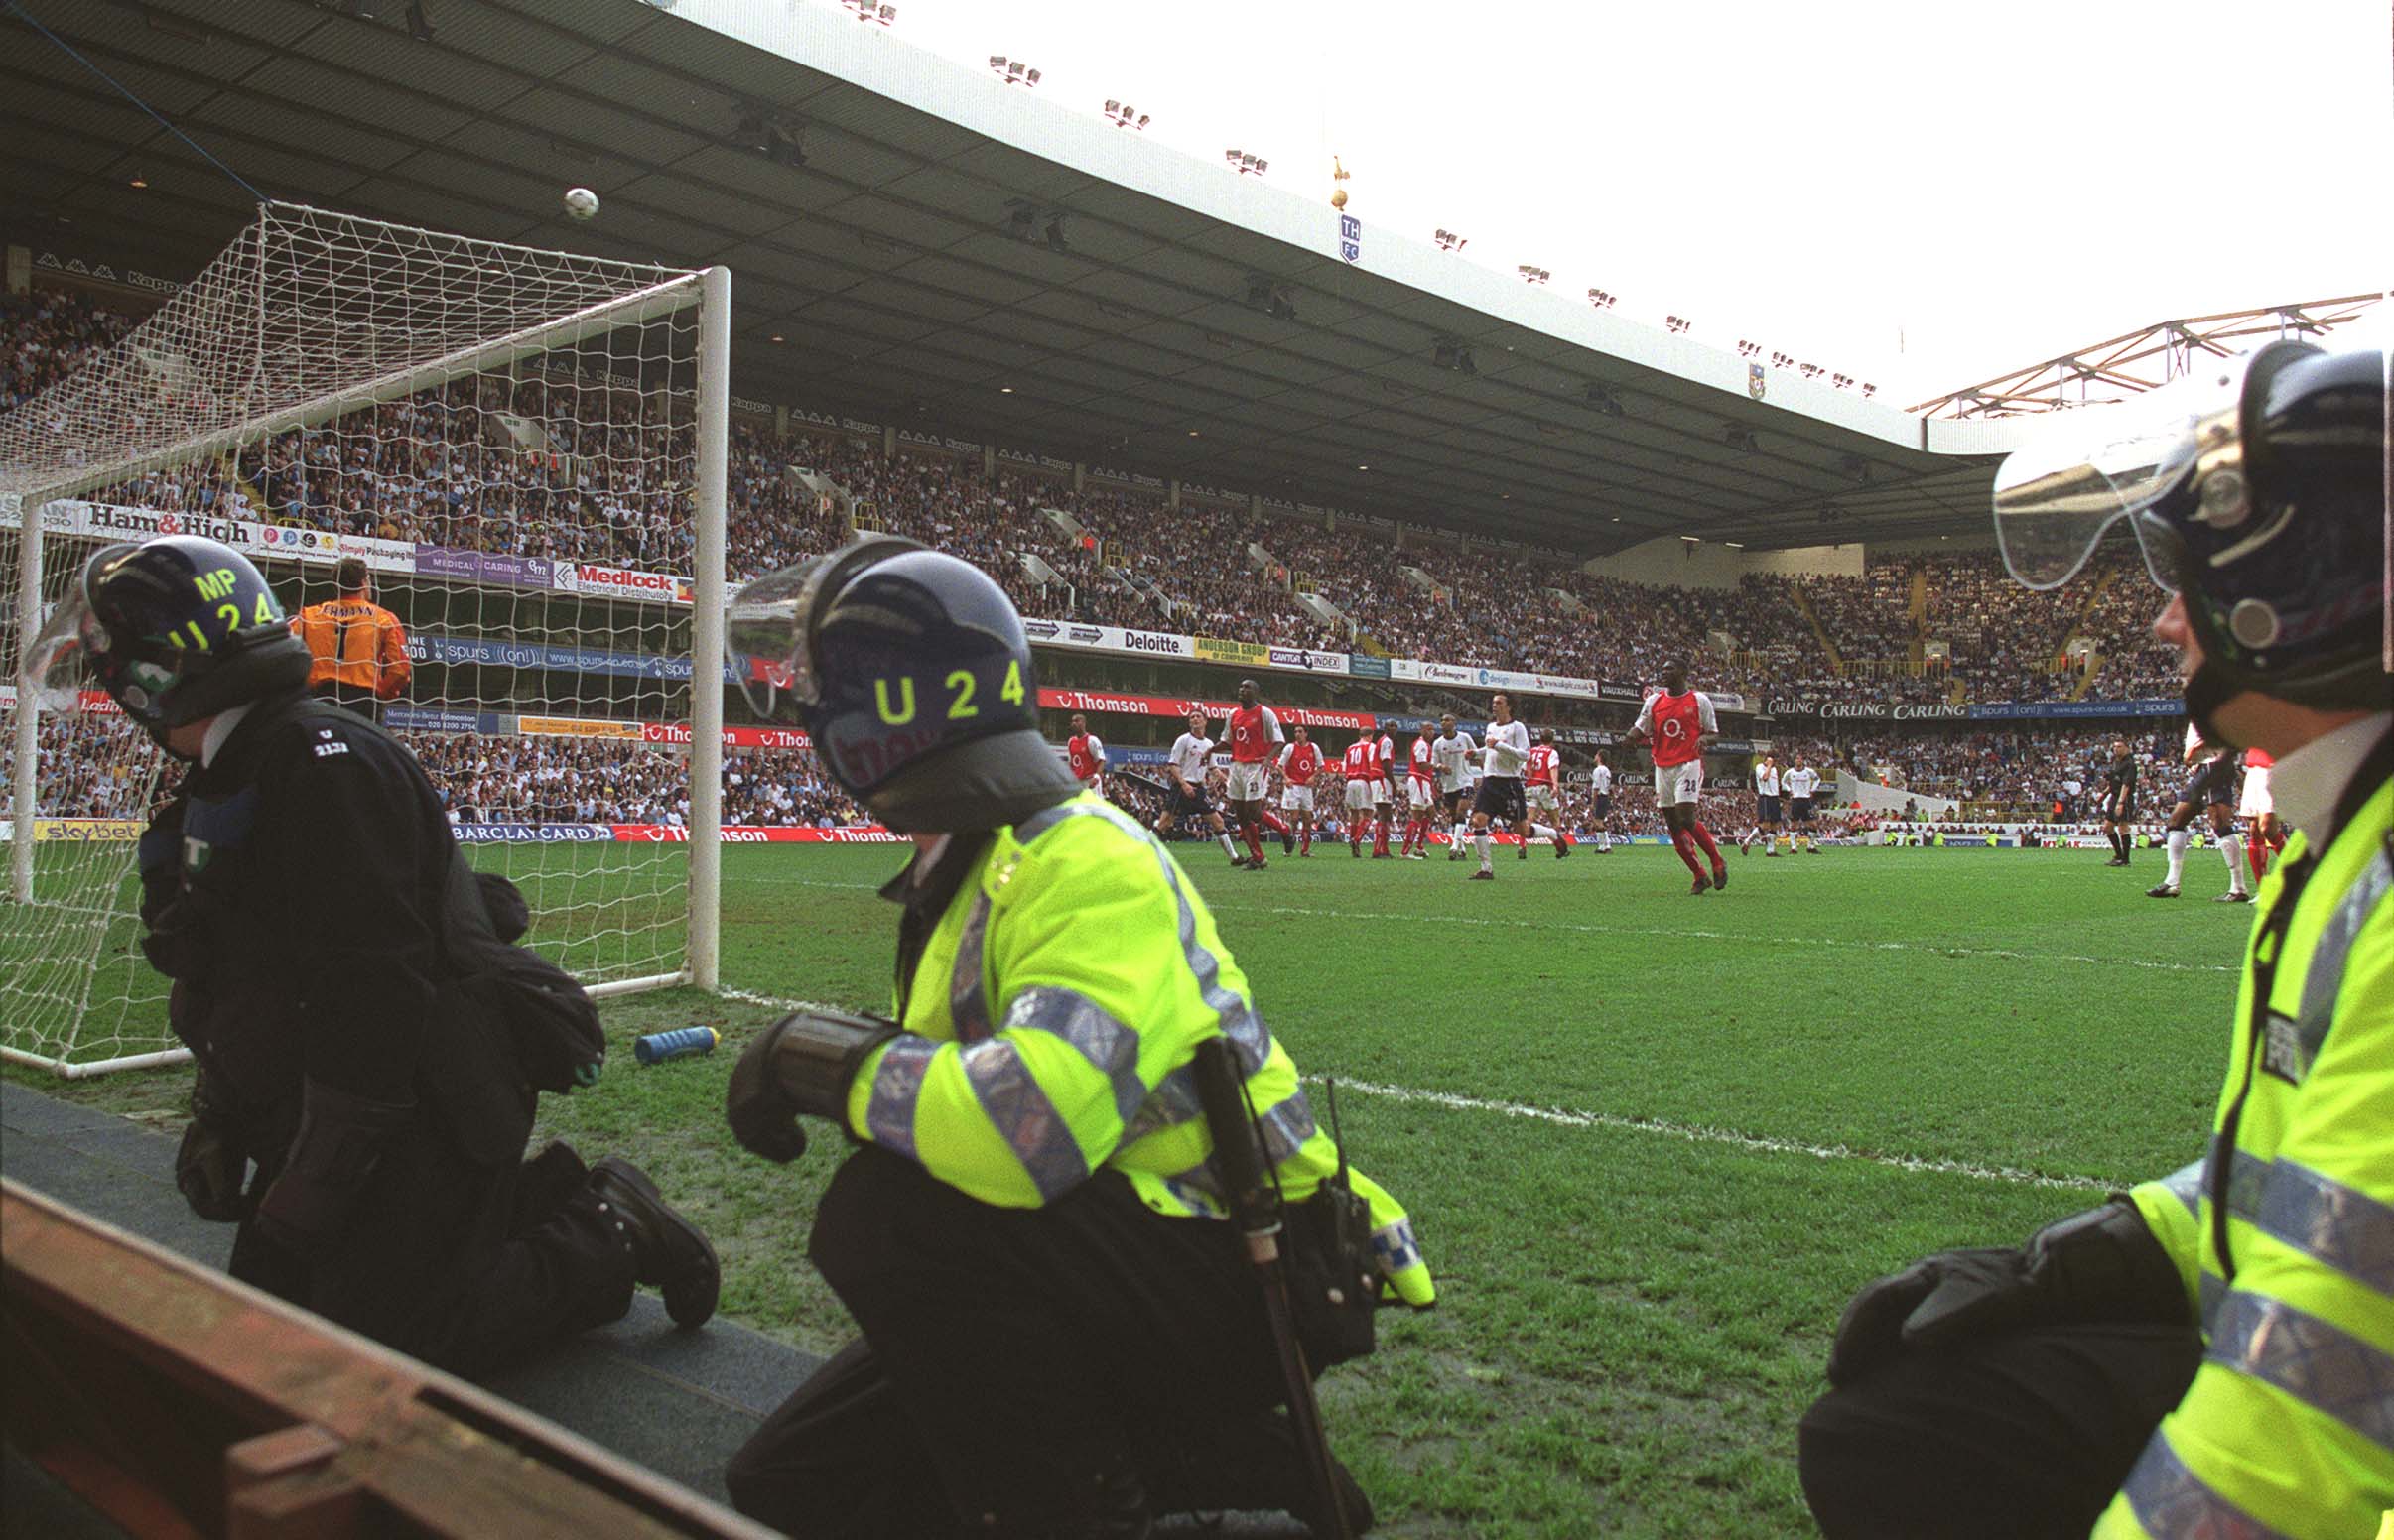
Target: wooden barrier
point(181, 1403)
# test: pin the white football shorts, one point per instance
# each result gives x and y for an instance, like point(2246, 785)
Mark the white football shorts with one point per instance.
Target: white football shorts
point(1297, 799)
point(1675, 784)
point(2256, 800)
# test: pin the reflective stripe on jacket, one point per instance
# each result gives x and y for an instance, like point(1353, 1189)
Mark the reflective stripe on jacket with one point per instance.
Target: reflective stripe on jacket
point(1049, 1028)
point(355, 643)
point(2286, 1235)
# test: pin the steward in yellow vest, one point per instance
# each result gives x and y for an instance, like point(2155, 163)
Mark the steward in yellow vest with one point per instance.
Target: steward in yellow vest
point(2211, 1354)
point(1062, 1337)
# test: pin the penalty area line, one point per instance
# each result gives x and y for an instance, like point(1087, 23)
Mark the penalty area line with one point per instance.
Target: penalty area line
point(1699, 1134)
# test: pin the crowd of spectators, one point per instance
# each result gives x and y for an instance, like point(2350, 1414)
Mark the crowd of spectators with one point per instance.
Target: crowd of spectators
point(523, 463)
point(98, 766)
point(532, 780)
point(2020, 772)
point(43, 334)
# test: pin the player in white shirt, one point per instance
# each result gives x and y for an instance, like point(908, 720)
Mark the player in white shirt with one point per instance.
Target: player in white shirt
point(1453, 752)
point(1503, 751)
point(2210, 790)
point(1766, 808)
point(1600, 784)
point(1801, 780)
point(1192, 757)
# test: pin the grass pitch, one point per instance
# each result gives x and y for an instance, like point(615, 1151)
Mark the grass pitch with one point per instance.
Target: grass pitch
point(1652, 1142)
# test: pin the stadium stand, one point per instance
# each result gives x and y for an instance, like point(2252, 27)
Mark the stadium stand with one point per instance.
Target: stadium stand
point(444, 467)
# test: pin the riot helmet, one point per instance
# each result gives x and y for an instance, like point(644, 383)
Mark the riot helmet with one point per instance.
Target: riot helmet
point(911, 671)
point(175, 629)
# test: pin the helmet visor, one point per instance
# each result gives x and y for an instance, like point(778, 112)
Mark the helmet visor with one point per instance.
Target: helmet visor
point(2087, 469)
point(63, 655)
point(765, 633)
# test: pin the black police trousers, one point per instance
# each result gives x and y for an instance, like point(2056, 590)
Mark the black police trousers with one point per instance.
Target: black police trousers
point(465, 1266)
point(2007, 1437)
point(1013, 1357)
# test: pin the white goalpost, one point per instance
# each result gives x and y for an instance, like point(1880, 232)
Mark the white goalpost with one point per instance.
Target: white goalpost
point(526, 451)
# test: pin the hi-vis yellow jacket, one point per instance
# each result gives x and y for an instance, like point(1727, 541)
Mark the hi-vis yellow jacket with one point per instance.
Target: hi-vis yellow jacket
point(1049, 1029)
point(2285, 1231)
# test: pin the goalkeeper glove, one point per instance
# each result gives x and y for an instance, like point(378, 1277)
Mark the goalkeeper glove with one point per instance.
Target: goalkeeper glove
point(800, 1066)
point(2099, 1265)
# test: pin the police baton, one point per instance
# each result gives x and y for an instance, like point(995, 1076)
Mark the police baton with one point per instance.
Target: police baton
point(1254, 1203)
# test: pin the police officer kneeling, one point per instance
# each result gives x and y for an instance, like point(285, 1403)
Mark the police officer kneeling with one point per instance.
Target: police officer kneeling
point(1061, 1335)
point(2212, 1353)
point(306, 896)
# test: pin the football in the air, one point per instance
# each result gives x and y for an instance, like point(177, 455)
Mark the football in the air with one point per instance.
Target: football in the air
point(581, 204)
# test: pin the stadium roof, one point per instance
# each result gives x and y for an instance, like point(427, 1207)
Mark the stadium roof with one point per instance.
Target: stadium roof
point(963, 256)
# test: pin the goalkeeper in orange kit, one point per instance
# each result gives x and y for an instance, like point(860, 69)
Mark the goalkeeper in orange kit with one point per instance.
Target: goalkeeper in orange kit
point(357, 650)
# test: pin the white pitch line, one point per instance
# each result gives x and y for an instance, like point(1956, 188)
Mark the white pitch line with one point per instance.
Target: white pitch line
point(1694, 1133)
point(1698, 1133)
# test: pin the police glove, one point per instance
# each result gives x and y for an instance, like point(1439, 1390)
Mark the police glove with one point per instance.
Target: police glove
point(2099, 1265)
point(341, 1140)
point(800, 1066)
point(210, 1164)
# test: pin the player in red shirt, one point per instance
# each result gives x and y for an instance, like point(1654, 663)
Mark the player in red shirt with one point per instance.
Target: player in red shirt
point(1086, 755)
point(2263, 833)
point(1300, 762)
point(1541, 785)
point(1420, 791)
point(1384, 791)
point(1361, 767)
point(1254, 731)
point(1678, 724)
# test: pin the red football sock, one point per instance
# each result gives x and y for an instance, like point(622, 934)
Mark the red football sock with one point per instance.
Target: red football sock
point(1273, 821)
point(1703, 836)
point(1306, 840)
point(2256, 851)
point(1684, 843)
point(1255, 839)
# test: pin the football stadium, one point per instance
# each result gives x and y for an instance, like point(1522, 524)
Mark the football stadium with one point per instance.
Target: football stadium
point(731, 471)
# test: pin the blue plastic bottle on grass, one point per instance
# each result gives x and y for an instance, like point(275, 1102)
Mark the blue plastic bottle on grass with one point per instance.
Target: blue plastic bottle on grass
point(660, 1045)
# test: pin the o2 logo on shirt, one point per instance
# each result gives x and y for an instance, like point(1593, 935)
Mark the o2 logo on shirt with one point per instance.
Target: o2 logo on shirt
point(1673, 728)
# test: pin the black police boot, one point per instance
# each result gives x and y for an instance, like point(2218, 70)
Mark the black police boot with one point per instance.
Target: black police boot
point(669, 1254)
point(1251, 1465)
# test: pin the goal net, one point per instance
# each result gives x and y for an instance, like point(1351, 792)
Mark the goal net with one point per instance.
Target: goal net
point(525, 452)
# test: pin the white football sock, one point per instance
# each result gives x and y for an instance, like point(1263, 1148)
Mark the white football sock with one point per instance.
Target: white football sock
point(1227, 847)
point(2232, 852)
point(2179, 839)
point(1483, 842)
point(1540, 832)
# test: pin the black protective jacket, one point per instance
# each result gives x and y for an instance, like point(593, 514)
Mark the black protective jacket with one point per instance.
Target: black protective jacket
point(293, 892)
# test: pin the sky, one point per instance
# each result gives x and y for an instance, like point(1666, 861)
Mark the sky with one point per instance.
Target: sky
point(1919, 196)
